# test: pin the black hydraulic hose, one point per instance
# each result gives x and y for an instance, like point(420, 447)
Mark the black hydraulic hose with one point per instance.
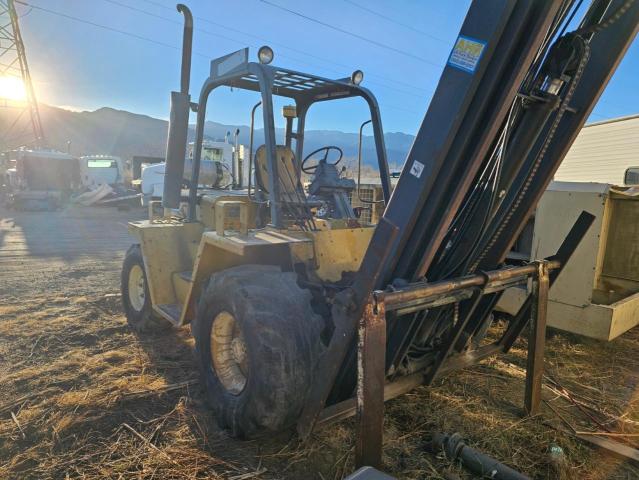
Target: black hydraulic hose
point(463, 242)
point(465, 230)
point(585, 55)
point(560, 19)
point(569, 19)
point(504, 215)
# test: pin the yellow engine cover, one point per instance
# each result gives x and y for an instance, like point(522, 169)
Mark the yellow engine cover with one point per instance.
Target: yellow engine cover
point(339, 250)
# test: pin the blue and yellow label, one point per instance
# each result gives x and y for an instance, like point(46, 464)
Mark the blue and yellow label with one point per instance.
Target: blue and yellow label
point(466, 53)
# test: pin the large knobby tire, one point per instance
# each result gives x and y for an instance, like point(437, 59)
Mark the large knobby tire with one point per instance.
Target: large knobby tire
point(257, 342)
point(136, 299)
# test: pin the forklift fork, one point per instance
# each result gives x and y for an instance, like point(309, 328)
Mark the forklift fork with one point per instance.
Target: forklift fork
point(372, 389)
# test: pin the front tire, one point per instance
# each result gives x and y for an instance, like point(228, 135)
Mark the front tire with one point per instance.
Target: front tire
point(136, 298)
point(257, 341)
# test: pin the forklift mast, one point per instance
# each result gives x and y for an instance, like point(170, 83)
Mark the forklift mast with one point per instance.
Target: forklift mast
point(516, 89)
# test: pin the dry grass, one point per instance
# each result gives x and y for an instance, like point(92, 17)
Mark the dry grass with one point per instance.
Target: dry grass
point(483, 403)
point(82, 397)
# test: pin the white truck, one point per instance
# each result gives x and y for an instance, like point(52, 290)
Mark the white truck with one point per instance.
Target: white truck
point(98, 170)
point(215, 169)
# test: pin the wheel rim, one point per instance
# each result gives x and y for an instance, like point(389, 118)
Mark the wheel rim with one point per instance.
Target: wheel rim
point(228, 353)
point(137, 290)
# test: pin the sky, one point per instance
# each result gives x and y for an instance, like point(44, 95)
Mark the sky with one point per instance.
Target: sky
point(133, 63)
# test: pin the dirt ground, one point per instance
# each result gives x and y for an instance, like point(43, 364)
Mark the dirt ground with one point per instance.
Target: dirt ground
point(83, 397)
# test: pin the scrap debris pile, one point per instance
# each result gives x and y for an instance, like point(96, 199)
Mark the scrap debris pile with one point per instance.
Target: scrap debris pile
point(41, 179)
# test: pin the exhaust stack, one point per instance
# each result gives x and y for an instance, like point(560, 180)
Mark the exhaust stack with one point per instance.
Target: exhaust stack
point(179, 121)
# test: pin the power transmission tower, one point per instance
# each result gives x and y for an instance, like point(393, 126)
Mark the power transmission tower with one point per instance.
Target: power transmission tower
point(20, 123)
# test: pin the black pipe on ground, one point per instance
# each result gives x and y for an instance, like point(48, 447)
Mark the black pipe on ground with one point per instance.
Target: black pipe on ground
point(473, 460)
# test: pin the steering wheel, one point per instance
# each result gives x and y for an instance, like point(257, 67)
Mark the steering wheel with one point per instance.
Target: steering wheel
point(312, 168)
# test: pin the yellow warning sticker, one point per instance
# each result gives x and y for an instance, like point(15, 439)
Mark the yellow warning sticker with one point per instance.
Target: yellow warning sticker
point(466, 53)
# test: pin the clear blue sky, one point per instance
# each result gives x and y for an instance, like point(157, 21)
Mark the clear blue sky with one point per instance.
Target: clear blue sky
point(82, 66)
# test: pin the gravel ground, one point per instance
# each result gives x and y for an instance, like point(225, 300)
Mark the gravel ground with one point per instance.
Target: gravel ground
point(79, 249)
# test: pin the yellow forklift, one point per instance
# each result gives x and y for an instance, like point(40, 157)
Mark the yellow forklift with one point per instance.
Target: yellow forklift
point(243, 265)
point(301, 313)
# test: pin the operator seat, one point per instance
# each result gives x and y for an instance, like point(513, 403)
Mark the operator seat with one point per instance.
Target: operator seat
point(290, 176)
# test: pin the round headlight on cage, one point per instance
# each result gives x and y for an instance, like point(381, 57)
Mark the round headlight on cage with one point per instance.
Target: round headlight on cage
point(357, 76)
point(265, 55)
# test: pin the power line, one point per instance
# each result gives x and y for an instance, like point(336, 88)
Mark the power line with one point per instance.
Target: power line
point(396, 22)
point(201, 30)
point(125, 32)
point(171, 20)
point(98, 25)
point(150, 40)
point(303, 52)
point(26, 13)
point(130, 7)
point(352, 34)
point(309, 54)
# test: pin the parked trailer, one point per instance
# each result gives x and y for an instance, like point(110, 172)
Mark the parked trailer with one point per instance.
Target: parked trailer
point(604, 152)
point(40, 179)
point(598, 293)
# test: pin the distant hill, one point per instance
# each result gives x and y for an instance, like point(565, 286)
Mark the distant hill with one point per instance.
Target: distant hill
point(397, 144)
point(104, 131)
point(125, 134)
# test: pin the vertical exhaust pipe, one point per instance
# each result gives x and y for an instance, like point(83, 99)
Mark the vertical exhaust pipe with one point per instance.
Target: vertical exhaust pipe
point(179, 121)
point(187, 47)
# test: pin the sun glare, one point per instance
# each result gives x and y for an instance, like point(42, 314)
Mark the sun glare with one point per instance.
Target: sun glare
point(12, 88)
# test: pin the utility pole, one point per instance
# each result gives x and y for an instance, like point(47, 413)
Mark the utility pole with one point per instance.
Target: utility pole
point(20, 123)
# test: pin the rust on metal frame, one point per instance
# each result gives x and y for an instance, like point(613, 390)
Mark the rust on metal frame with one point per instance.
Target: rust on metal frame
point(537, 338)
point(372, 390)
point(371, 376)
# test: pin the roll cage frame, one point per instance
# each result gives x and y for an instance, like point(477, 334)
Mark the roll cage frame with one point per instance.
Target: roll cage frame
point(234, 70)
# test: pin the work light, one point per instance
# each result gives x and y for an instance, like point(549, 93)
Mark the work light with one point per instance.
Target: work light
point(265, 55)
point(357, 76)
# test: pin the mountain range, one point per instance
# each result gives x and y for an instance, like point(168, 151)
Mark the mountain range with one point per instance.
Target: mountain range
point(117, 132)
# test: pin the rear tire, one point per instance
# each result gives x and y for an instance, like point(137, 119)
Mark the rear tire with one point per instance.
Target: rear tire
point(257, 342)
point(136, 298)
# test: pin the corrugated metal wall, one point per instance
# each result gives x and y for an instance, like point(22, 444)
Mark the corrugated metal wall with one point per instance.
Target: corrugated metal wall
point(602, 152)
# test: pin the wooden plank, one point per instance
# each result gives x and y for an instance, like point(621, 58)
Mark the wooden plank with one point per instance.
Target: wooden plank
point(347, 408)
point(616, 449)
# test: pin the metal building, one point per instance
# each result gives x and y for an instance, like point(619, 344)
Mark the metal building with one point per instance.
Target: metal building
point(604, 152)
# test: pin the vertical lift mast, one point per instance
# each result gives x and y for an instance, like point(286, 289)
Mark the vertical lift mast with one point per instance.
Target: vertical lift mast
point(516, 90)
